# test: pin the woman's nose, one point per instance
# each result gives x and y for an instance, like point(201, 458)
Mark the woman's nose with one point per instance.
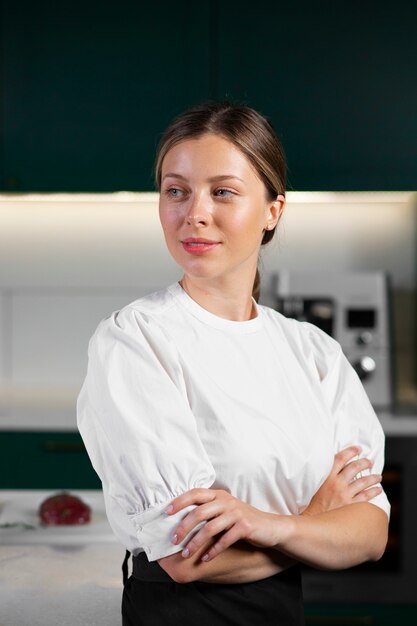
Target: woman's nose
point(198, 212)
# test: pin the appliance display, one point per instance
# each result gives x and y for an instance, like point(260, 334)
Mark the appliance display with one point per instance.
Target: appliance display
point(354, 308)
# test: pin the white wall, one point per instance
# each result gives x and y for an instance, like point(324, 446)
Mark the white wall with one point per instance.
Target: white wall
point(348, 232)
point(68, 260)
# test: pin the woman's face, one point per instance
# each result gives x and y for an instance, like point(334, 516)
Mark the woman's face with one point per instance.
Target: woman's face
point(214, 208)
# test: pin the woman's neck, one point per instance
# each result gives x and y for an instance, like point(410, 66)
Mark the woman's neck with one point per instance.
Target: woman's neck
point(231, 302)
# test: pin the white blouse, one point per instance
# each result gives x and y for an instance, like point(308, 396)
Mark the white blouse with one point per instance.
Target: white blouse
point(176, 397)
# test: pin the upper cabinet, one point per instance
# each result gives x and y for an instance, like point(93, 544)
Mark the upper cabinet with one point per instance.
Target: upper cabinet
point(87, 93)
point(338, 82)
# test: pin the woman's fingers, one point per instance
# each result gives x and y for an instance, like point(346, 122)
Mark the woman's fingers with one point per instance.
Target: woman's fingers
point(259, 528)
point(345, 483)
point(354, 468)
point(343, 457)
point(368, 494)
point(198, 495)
point(226, 540)
point(219, 523)
point(216, 507)
point(359, 485)
point(347, 468)
point(211, 529)
point(194, 518)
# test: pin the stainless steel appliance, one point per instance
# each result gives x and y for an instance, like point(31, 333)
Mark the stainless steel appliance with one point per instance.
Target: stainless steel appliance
point(354, 308)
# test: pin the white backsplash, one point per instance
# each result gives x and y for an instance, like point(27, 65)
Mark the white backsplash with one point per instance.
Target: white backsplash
point(69, 260)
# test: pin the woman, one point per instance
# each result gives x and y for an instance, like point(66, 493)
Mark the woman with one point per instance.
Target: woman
point(214, 422)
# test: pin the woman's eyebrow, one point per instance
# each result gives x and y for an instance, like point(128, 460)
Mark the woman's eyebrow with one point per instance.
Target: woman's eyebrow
point(173, 175)
point(212, 179)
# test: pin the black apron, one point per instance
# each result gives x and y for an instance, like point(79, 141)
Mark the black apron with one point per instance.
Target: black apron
point(152, 598)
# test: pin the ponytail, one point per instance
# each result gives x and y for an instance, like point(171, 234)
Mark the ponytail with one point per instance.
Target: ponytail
point(267, 236)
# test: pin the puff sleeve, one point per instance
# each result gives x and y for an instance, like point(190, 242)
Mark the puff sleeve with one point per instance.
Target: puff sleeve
point(139, 430)
point(354, 419)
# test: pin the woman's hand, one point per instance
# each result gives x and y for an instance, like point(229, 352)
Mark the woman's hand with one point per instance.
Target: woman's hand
point(342, 487)
point(228, 520)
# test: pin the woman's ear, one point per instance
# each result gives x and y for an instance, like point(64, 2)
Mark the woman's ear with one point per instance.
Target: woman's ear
point(275, 211)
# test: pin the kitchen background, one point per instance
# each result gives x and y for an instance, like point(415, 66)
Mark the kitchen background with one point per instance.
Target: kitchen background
point(85, 93)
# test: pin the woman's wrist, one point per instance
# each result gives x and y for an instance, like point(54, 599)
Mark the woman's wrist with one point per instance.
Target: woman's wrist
point(285, 531)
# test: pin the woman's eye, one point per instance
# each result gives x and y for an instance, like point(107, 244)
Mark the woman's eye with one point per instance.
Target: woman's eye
point(174, 192)
point(224, 193)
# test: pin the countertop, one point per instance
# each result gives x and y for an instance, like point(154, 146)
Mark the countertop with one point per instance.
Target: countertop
point(61, 576)
point(393, 422)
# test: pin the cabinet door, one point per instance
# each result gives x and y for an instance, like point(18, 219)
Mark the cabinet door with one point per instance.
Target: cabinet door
point(360, 614)
point(88, 92)
point(46, 460)
point(338, 84)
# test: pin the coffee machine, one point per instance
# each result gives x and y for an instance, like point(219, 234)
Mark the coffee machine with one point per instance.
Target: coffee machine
point(354, 308)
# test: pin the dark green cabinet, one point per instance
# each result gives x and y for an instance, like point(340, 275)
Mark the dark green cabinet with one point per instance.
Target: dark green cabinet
point(338, 82)
point(86, 94)
point(45, 460)
point(360, 615)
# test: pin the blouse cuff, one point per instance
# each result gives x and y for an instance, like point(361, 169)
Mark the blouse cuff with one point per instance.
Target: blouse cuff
point(154, 530)
point(382, 502)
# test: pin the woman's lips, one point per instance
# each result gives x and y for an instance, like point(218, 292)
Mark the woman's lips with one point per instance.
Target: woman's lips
point(199, 246)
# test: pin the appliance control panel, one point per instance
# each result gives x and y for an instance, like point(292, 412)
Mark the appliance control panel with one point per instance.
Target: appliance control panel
point(354, 309)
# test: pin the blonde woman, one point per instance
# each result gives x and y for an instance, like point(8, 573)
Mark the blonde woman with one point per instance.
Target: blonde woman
point(232, 443)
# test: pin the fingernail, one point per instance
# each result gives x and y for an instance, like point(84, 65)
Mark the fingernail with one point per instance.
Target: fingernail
point(205, 557)
point(169, 509)
point(174, 538)
point(185, 553)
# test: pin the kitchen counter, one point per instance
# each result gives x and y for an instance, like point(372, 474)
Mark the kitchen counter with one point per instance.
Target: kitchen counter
point(393, 423)
point(59, 576)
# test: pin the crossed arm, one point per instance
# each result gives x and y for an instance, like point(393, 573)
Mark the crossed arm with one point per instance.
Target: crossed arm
point(239, 543)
